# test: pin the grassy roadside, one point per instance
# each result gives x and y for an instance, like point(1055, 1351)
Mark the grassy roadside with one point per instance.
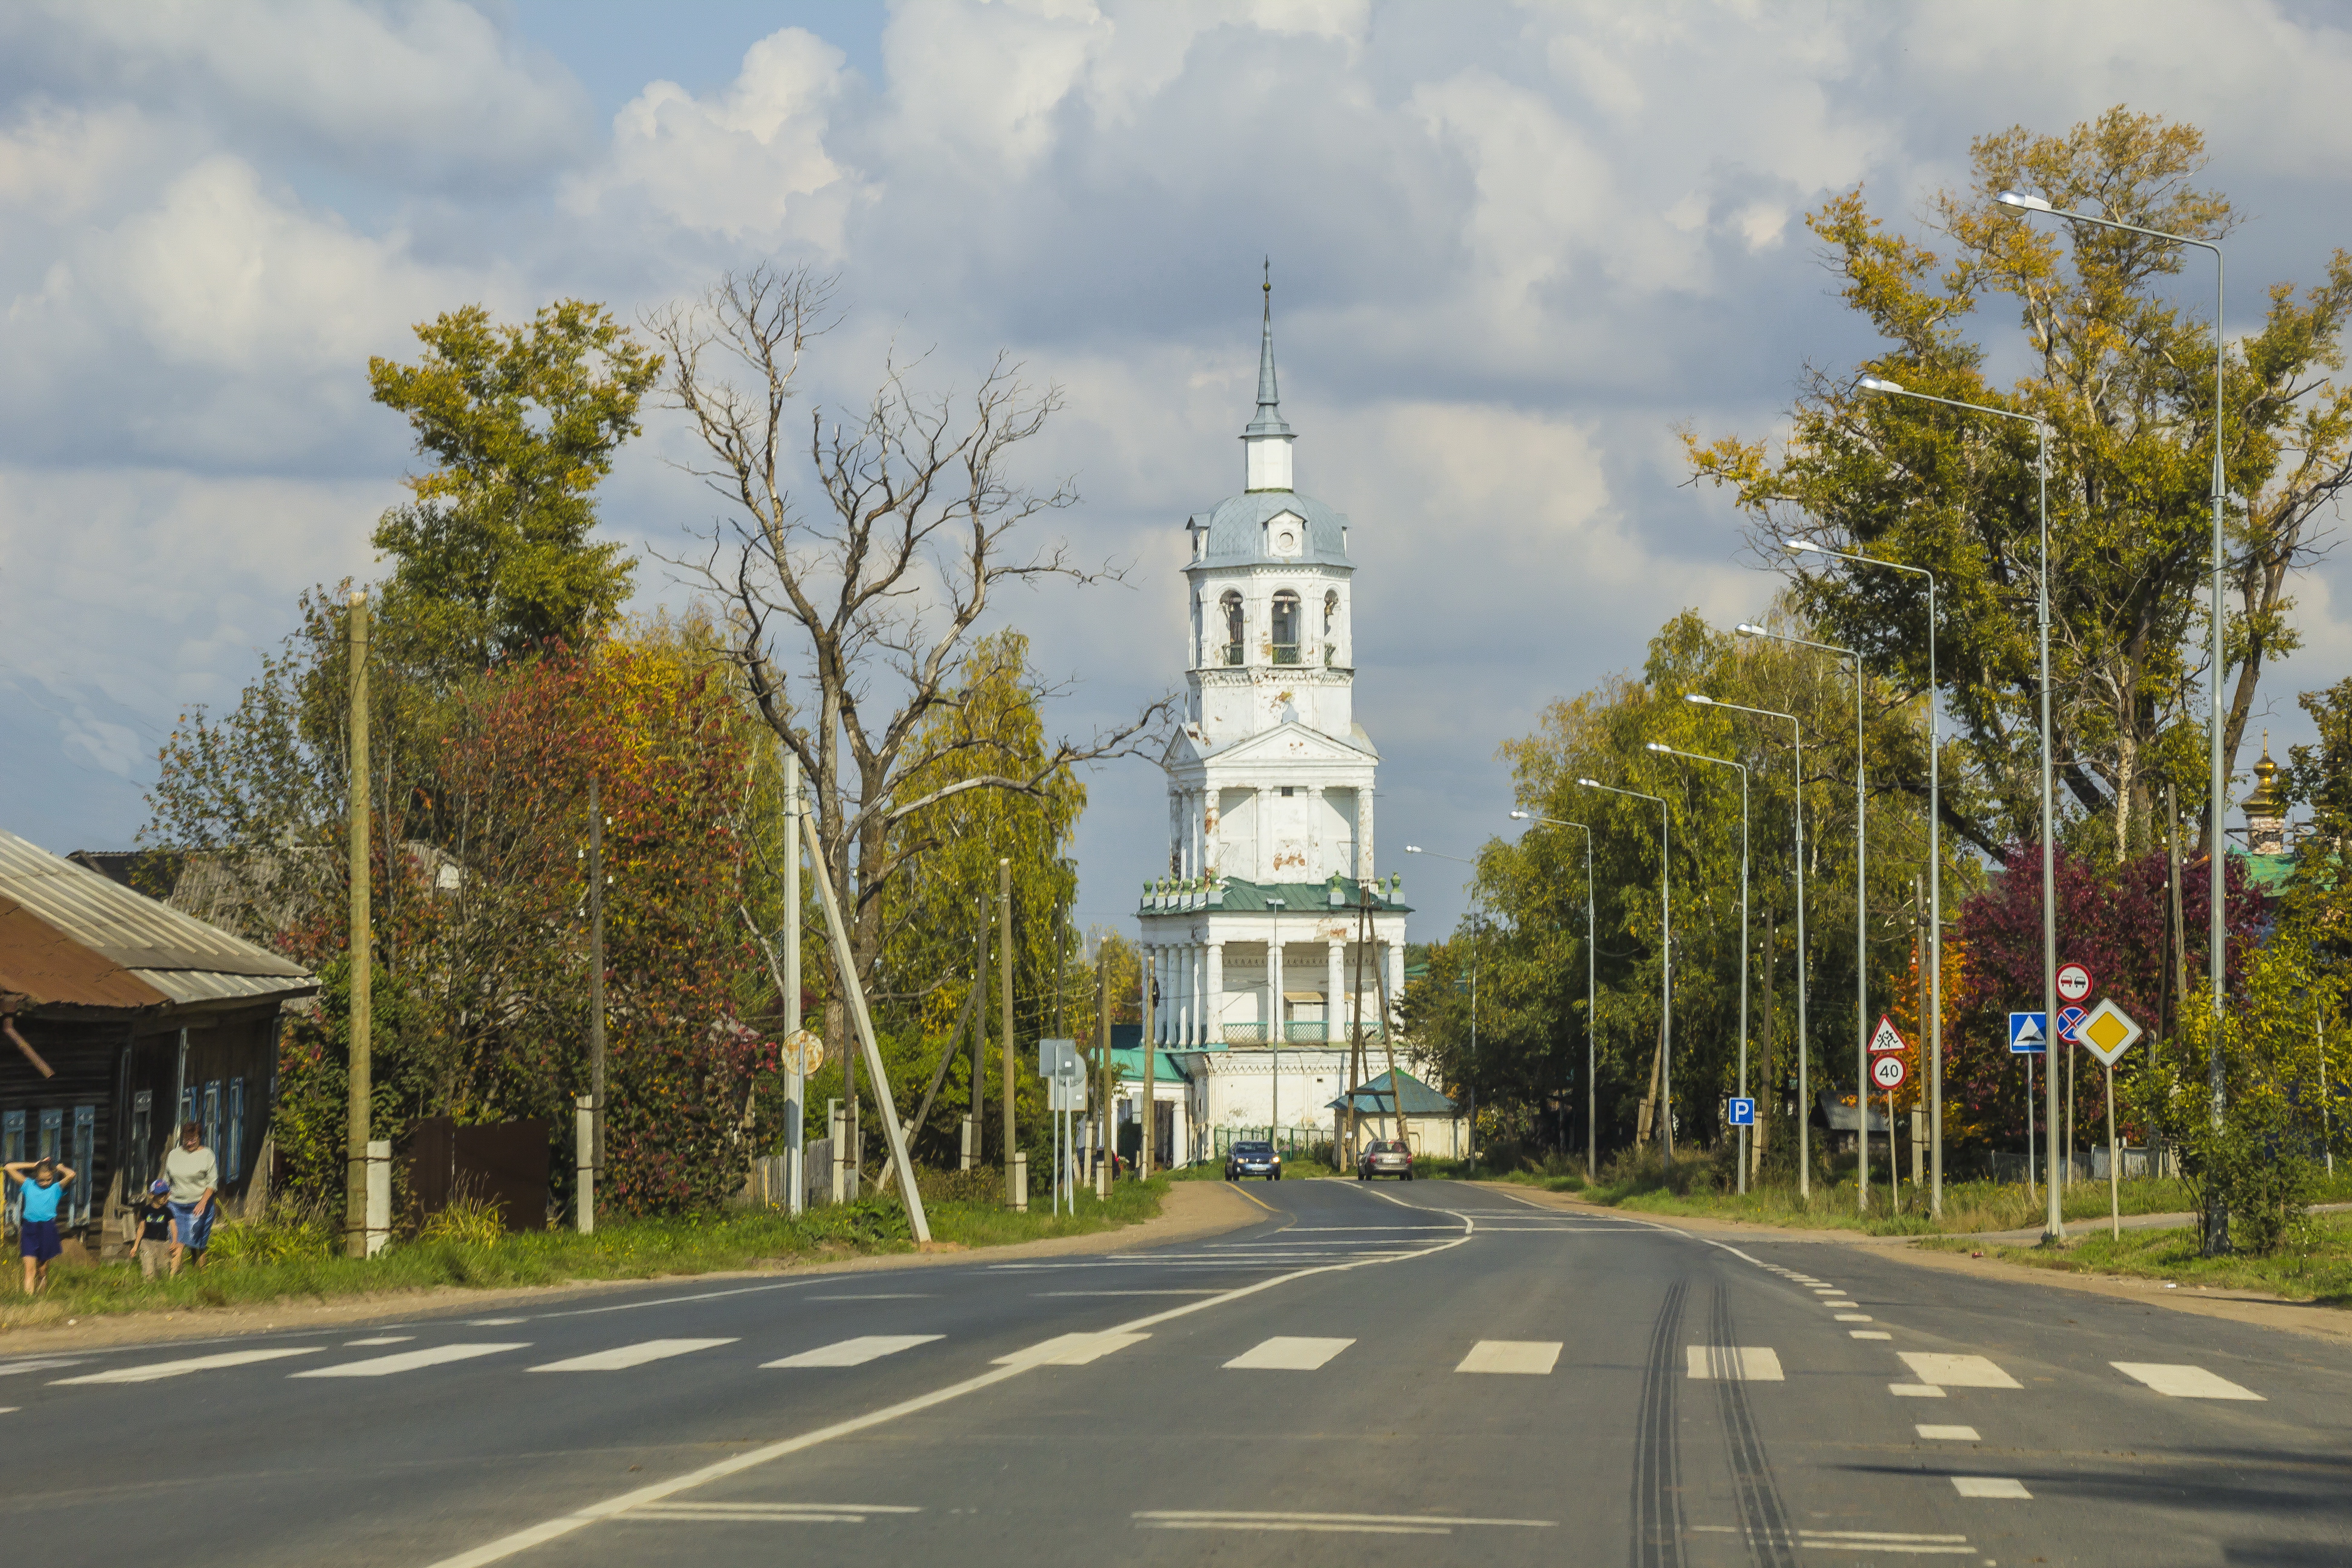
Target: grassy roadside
point(264, 1267)
point(2316, 1263)
point(1969, 1206)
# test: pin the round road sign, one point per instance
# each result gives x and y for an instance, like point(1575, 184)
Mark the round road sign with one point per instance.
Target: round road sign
point(803, 1053)
point(1887, 1072)
point(2073, 982)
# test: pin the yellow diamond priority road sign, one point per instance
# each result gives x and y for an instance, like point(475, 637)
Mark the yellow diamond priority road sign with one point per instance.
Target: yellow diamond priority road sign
point(2108, 1032)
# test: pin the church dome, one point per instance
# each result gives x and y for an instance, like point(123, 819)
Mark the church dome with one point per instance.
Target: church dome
point(1241, 531)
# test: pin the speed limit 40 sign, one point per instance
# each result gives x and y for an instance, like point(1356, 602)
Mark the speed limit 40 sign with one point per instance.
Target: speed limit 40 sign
point(1888, 1072)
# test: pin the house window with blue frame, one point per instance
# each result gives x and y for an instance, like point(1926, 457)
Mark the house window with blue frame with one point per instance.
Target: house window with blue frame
point(233, 1151)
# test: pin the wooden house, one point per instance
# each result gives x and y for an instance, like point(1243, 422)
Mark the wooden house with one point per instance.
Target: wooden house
point(119, 1017)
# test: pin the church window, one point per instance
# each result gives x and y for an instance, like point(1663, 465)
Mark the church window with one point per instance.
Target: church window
point(1286, 789)
point(1285, 628)
point(1331, 624)
point(1232, 607)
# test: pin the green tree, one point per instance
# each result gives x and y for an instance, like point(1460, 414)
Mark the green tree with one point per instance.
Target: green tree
point(2124, 380)
point(520, 423)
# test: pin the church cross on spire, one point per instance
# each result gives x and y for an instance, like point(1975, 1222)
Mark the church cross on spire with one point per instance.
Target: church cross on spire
point(1266, 440)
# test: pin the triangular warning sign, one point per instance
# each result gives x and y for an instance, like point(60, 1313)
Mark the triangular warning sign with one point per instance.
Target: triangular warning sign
point(1886, 1037)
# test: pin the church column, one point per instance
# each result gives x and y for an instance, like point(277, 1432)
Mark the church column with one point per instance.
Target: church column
point(1364, 832)
point(1334, 1015)
point(1212, 1004)
point(1188, 995)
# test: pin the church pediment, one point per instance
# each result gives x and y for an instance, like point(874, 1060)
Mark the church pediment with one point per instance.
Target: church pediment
point(1291, 742)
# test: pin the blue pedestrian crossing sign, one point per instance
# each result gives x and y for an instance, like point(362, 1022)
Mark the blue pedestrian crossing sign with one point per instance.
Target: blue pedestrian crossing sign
point(1743, 1112)
point(2028, 1033)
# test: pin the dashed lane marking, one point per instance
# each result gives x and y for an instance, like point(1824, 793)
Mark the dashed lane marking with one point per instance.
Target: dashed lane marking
point(155, 1370)
point(379, 1340)
point(1286, 1352)
point(39, 1363)
point(408, 1361)
point(1956, 1371)
point(623, 1357)
point(1950, 1434)
point(856, 1351)
point(494, 1323)
point(1989, 1486)
point(1535, 1356)
point(1327, 1523)
point(1875, 1335)
point(1741, 1364)
point(1885, 1541)
point(761, 1512)
point(1914, 1391)
point(1071, 1350)
point(2183, 1381)
point(1854, 1317)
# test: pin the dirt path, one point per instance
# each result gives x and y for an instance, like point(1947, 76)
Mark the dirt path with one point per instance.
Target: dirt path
point(1190, 1209)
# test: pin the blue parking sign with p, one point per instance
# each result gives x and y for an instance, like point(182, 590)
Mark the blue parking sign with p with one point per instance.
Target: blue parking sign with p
point(1743, 1113)
point(2028, 1033)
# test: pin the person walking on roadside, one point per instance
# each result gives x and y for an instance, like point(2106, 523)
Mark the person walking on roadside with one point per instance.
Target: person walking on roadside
point(194, 1175)
point(37, 1225)
point(152, 1245)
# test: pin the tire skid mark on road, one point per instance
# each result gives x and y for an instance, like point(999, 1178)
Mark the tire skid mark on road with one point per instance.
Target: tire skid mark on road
point(1657, 1452)
point(1763, 1519)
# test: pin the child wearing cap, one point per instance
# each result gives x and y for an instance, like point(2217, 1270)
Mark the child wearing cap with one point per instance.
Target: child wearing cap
point(154, 1219)
point(36, 1225)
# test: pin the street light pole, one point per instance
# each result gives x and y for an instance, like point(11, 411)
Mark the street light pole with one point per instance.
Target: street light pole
point(1665, 959)
point(2217, 1232)
point(1861, 929)
point(1592, 1000)
point(2053, 1225)
point(1726, 763)
point(1935, 886)
point(1797, 782)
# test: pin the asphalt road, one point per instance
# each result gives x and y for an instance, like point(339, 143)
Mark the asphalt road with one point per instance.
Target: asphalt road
point(1379, 1375)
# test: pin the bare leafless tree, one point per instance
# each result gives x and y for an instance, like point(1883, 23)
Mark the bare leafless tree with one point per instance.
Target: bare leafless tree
point(852, 614)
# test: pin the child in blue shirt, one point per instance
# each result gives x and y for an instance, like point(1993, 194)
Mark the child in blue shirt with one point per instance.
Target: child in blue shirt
point(44, 1183)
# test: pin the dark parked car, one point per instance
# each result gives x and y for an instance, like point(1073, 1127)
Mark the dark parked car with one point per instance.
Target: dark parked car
point(1252, 1160)
point(1384, 1157)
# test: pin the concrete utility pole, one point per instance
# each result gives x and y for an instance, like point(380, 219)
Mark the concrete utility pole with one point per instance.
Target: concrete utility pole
point(596, 966)
point(1356, 1032)
point(796, 1113)
point(1147, 992)
point(1102, 1105)
point(360, 946)
point(973, 1120)
point(1004, 983)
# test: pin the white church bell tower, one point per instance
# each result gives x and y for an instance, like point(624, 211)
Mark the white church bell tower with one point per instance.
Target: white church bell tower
point(1250, 938)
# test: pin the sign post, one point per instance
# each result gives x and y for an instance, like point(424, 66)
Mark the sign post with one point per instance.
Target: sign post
point(1888, 1072)
point(2029, 1034)
point(2107, 1033)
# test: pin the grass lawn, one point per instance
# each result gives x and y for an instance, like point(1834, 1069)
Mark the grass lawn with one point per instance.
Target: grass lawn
point(258, 1265)
point(2315, 1264)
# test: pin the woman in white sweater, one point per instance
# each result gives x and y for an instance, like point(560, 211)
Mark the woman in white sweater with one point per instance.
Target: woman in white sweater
point(193, 1175)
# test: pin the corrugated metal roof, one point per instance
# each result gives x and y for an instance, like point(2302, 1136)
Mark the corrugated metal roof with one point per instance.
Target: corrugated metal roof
point(130, 928)
point(71, 936)
point(1419, 1099)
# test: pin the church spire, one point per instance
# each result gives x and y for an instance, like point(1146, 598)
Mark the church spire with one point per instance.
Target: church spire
point(1266, 439)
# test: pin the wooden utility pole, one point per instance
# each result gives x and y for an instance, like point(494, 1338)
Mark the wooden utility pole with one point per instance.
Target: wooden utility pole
point(360, 950)
point(1004, 962)
point(596, 972)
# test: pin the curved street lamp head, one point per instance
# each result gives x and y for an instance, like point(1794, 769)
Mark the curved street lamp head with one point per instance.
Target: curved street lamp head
point(1589, 783)
point(1655, 746)
point(1518, 816)
point(1799, 546)
point(1701, 698)
point(1879, 383)
point(1413, 848)
point(2020, 199)
point(1744, 629)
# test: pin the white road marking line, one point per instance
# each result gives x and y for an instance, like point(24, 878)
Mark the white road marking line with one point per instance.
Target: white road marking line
point(161, 1369)
point(39, 1363)
point(1956, 1371)
point(408, 1361)
point(1071, 1350)
point(1364, 1523)
point(1854, 1317)
point(498, 1549)
point(879, 1295)
point(1877, 1535)
point(494, 1323)
point(380, 1340)
point(1827, 1290)
point(1537, 1356)
point(2183, 1381)
point(1950, 1434)
point(1734, 1363)
point(856, 1351)
point(1989, 1486)
point(1286, 1352)
point(1834, 1305)
point(1914, 1391)
point(1887, 1541)
point(8, 1409)
point(621, 1358)
point(761, 1512)
point(1877, 1334)
point(1047, 1295)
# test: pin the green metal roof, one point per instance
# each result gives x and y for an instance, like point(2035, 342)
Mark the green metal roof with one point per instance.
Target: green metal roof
point(1373, 1098)
point(2271, 873)
point(1128, 1062)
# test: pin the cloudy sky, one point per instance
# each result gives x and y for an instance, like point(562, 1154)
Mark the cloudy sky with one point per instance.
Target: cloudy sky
point(1515, 247)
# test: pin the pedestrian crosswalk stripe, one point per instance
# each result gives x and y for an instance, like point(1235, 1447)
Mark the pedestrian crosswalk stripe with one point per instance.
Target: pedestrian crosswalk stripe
point(856, 1351)
point(1914, 1391)
point(1854, 1317)
point(1956, 1371)
point(1537, 1356)
point(1869, 1333)
point(154, 1370)
point(380, 1340)
point(1989, 1486)
point(623, 1357)
point(409, 1361)
point(2183, 1381)
point(1950, 1434)
point(1735, 1364)
point(1070, 1350)
point(1286, 1354)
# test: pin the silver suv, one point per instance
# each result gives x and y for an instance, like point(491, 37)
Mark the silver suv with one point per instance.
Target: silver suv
point(1384, 1157)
